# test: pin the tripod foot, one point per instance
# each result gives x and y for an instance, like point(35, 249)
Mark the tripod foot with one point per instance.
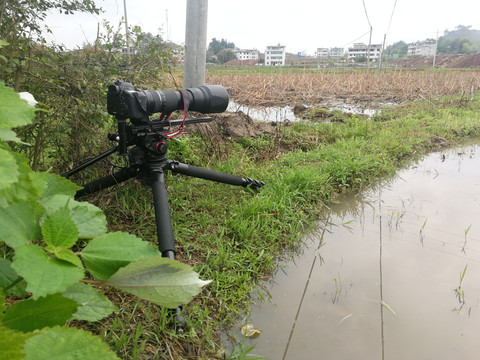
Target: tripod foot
point(254, 184)
point(179, 320)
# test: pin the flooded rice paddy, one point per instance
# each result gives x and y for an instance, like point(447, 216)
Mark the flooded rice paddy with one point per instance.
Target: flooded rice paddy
point(392, 273)
point(285, 113)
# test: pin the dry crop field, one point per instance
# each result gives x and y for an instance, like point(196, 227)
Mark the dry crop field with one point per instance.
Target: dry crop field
point(316, 87)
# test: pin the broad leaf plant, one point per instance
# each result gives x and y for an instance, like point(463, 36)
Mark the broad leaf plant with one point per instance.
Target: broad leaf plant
point(53, 246)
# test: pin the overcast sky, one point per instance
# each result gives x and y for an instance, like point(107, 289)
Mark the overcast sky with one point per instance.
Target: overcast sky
point(300, 25)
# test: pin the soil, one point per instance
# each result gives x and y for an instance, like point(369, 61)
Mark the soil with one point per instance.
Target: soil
point(441, 61)
point(231, 125)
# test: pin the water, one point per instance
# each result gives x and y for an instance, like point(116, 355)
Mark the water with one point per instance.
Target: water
point(282, 113)
point(267, 114)
point(383, 278)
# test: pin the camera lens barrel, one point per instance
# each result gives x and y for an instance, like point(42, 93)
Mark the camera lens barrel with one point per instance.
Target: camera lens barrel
point(203, 99)
point(208, 99)
point(126, 102)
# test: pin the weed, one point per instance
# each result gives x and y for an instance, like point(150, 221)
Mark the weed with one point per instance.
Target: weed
point(234, 235)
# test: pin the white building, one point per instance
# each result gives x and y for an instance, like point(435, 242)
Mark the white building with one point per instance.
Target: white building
point(246, 54)
point(336, 52)
point(372, 52)
point(322, 53)
point(423, 48)
point(275, 55)
point(325, 53)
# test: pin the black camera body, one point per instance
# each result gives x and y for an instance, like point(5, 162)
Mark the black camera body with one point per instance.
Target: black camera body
point(126, 102)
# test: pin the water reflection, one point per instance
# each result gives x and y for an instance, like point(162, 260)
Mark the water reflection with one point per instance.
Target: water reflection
point(269, 114)
point(285, 113)
point(396, 278)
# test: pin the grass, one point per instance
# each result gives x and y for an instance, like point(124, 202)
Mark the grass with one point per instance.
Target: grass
point(234, 236)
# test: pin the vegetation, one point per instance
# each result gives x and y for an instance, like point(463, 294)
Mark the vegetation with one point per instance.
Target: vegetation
point(398, 49)
point(461, 40)
point(231, 235)
point(220, 51)
point(71, 85)
point(234, 236)
point(49, 241)
point(267, 86)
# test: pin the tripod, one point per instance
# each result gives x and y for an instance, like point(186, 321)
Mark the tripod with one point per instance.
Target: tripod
point(148, 161)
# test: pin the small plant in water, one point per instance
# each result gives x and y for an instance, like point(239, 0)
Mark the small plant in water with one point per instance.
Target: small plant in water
point(338, 289)
point(422, 231)
point(459, 293)
point(465, 242)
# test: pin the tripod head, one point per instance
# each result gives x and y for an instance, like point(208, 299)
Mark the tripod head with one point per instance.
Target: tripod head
point(124, 101)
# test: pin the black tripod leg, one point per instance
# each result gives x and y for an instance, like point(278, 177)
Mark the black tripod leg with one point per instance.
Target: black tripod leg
point(180, 168)
point(108, 181)
point(90, 162)
point(166, 241)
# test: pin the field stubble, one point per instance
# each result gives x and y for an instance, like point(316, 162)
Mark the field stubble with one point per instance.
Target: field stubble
point(318, 88)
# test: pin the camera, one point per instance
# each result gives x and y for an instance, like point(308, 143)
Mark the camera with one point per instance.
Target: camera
point(126, 102)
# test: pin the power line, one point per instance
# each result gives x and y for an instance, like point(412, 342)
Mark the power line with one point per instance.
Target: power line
point(356, 39)
point(391, 17)
point(365, 8)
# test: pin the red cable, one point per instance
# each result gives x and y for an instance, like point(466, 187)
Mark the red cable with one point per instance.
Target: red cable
point(177, 132)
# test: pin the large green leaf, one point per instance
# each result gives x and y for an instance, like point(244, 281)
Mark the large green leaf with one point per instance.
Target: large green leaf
point(59, 230)
point(11, 344)
point(8, 277)
point(19, 223)
point(13, 110)
point(44, 275)
point(29, 315)
point(105, 254)
point(8, 169)
point(90, 220)
point(160, 280)
point(63, 343)
point(9, 135)
point(94, 305)
point(52, 184)
point(65, 255)
point(24, 187)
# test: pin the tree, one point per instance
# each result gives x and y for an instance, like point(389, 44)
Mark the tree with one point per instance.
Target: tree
point(461, 40)
point(216, 46)
point(399, 48)
point(25, 18)
point(71, 85)
point(361, 59)
point(226, 55)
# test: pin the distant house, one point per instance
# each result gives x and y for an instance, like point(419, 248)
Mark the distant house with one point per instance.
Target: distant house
point(372, 51)
point(422, 48)
point(246, 54)
point(322, 53)
point(326, 53)
point(336, 52)
point(178, 53)
point(275, 55)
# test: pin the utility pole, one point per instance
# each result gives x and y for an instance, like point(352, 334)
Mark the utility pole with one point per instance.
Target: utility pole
point(195, 43)
point(368, 50)
point(435, 55)
point(166, 17)
point(383, 49)
point(126, 28)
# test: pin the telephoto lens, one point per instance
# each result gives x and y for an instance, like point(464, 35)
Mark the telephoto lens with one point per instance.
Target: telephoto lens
point(124, 101)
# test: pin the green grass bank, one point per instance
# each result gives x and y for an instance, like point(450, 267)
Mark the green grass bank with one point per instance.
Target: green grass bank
point(235, 236)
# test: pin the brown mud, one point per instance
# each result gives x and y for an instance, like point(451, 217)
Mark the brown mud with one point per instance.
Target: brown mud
point(456, 61)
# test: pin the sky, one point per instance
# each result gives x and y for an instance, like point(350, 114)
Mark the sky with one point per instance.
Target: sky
point(299, 25)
